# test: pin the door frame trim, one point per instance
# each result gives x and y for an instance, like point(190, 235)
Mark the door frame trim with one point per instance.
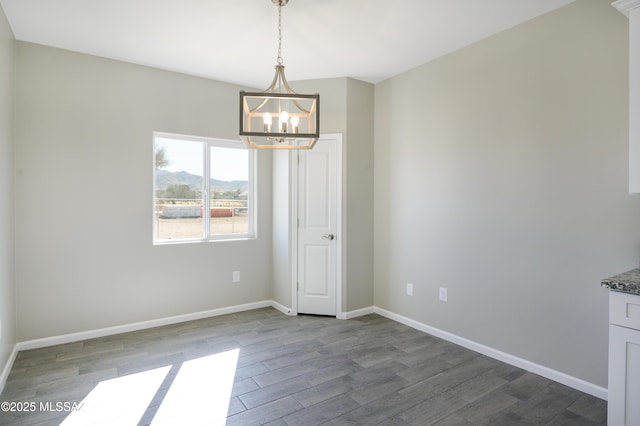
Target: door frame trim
point(293, 224)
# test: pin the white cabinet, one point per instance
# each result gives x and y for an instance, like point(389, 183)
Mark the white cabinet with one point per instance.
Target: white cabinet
point(631, 8)
point(624, 359)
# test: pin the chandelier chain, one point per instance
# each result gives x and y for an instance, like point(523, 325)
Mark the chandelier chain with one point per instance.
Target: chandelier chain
point(280, 33)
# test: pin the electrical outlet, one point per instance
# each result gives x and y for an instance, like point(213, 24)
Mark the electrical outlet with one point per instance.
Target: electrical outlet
point(443, 294)
point(236, 276)
point(409, 289)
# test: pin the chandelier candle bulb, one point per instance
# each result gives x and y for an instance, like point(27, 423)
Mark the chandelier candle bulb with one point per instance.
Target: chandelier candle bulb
point(294, 123)
point(268, 120)
point(284, 118)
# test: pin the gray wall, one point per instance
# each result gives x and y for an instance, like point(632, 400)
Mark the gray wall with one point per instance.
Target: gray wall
point(84, 257)
point(501, 173)
point(7, 280)
point(358, 196)
point(282, 246)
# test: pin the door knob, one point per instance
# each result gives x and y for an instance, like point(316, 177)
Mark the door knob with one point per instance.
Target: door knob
point(328, 237)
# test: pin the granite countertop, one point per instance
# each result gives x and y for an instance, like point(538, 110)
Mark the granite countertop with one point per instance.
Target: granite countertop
point(628, 282)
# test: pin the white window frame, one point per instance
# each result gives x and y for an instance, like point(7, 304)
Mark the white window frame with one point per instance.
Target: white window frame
point(207, 143)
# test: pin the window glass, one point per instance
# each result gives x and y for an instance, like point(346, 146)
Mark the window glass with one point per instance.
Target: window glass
point(229, 191)
point(190, 173)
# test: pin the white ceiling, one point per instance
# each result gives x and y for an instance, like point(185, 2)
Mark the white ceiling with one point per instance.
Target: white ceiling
point(236, 40)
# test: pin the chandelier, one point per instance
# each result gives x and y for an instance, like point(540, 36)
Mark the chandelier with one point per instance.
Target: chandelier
point(279, 118)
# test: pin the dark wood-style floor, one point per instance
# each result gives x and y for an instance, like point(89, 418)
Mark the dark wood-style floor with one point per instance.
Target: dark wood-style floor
point(262, 367)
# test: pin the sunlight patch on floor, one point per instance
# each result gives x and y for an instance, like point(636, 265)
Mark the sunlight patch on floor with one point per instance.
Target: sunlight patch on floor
point(200, 392)
point(122, 400)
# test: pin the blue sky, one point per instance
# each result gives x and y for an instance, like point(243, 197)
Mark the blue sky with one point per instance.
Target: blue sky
point(185, 155)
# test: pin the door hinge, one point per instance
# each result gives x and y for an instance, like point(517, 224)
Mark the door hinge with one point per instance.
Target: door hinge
point(297, 286)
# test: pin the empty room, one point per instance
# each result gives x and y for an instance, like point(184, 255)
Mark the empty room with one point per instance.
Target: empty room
point(432, 219)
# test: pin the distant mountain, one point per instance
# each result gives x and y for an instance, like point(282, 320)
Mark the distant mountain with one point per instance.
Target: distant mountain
point(165, 178)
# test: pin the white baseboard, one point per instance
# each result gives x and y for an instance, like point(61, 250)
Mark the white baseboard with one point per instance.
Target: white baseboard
point(557, 376)
point(7, 367)
point(357, 313)
point(108, 331)
point(282, 308)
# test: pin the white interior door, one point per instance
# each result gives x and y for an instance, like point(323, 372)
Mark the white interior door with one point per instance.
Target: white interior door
point(318, 227)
